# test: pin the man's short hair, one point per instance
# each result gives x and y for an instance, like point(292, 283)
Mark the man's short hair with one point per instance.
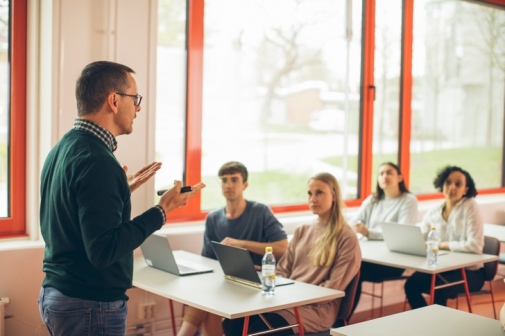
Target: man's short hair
point(96, 82)
point(233, 167)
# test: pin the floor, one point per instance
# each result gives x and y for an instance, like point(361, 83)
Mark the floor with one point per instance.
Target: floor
point(393, 302)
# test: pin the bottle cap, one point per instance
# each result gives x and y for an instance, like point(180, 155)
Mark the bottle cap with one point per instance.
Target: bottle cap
point(268, 249)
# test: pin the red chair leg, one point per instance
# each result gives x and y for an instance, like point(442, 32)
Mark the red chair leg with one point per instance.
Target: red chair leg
point(492, 297)
point(373, 299)
point(382, 298)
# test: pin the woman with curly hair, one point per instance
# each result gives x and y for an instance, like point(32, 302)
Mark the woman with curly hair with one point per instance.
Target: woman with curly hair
point(459, 224)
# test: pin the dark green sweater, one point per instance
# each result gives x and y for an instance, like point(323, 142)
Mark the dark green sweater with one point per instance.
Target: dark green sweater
point(85, 220)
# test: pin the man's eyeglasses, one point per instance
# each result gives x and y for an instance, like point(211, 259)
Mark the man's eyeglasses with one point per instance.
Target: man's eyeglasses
point(136, 98)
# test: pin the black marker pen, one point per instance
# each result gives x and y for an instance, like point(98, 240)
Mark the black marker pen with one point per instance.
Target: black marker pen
point(183, 190)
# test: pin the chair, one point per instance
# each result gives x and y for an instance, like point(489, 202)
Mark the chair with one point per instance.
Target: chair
point(501, 261)
point(345, 310)
point(502, 258)
point(381, 295)
point(491, 246)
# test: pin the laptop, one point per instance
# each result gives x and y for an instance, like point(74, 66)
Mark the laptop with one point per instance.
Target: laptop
point(238, 266)
point(404, 238)
point(158, 254)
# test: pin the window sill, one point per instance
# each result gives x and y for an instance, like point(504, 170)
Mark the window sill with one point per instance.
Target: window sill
point(20, 244)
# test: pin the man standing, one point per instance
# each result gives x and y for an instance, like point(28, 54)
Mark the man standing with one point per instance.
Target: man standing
point(85, 210)
point(240, 223)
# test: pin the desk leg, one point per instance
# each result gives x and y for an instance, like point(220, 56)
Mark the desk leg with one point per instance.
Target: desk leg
point(246, 326)
point(301, 332)
point(432, 288)
point(172, 316)
point(467, 291)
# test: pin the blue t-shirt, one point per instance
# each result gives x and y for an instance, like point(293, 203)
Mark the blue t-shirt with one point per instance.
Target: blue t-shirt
point(256, 223)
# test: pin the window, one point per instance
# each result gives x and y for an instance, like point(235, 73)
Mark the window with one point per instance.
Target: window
point(12, 116)
point(295, 87)
point(458, 70)
point(265, 81)
point(171, 91)
point(387, 74)
point(281, 84)
point(4, 105)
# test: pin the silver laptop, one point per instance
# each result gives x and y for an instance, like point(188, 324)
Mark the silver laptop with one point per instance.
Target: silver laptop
point(404, 238)
point(238, 266)
point(158, 254)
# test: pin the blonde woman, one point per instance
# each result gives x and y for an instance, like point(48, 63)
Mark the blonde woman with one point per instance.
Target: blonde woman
point(324, 253)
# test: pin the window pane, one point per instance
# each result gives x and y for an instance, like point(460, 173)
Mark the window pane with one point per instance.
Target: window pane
point(4, 106)
point(387, 71)
point(171, 91)
point(458, 91)
point(281, 94)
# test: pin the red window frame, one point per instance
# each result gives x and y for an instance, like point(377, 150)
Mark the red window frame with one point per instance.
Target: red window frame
point(194, 107)
point(15, 224)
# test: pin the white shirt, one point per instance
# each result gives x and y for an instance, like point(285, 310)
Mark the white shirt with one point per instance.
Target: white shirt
point(464, 229)
point(401, 209)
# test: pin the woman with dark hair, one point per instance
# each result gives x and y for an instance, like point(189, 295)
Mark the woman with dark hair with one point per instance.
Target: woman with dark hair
point(324, 253)
point(391, 202)
point(460, 227)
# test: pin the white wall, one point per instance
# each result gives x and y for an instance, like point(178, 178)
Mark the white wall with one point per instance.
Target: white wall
point(20, 279)
point(80, 32)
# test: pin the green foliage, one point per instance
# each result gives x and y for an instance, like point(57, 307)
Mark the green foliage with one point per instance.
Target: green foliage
point(484, 164)
point(171, 23)
point(282, 188)
point(272, 187)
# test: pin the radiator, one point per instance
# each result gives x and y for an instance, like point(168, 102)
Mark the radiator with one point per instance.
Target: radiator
point(2, 319)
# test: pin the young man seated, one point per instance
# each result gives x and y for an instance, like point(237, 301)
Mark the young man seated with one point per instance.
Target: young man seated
point(242, 223)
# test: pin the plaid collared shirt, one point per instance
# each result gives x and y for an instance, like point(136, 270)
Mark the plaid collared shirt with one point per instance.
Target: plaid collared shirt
point(97, 130)
point(107, 137)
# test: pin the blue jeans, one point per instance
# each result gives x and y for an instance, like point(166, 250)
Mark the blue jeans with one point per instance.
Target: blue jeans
point(64, 315)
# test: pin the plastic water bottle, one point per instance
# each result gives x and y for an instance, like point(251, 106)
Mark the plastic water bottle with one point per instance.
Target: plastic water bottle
point(432, 246)
point(268, 271)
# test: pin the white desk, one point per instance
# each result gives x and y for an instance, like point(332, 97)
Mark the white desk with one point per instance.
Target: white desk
point(376, 252)
point(432, 320)
point(495, 230)
point(213, 293)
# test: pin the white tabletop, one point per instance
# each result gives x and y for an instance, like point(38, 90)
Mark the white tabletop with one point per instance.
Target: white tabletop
point(432, 320)
point(495, 230)
point(213, 293)
point(376, 252)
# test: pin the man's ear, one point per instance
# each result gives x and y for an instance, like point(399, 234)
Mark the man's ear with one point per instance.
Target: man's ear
point(113, 101)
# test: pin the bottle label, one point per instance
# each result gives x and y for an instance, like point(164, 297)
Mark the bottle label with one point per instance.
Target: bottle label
point(268, 271)
point(433, 247)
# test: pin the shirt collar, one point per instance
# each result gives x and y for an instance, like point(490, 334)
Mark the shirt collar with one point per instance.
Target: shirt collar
point(96, 130)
